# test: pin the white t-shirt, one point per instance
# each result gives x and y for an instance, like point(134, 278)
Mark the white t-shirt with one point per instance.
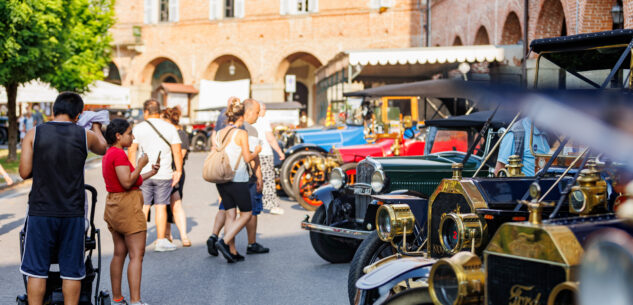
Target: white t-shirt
point(263, 126)
point(150, 143)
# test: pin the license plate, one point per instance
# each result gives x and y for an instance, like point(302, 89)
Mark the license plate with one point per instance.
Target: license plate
point(362, 191)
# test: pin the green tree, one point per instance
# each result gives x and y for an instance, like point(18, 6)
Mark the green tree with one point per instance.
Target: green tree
point(63, 42)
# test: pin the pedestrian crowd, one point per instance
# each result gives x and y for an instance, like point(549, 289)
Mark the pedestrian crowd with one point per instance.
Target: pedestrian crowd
point(150, 173)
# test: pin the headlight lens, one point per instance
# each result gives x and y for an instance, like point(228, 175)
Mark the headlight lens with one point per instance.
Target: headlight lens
point(450, 234)
point(445, 284)
point(577, 200)
point(606, 273)
point(457, 280)
point(378, 181)
point(337, 178)
point(393, 220)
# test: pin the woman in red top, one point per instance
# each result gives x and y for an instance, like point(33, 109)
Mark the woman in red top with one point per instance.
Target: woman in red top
point(124, 209)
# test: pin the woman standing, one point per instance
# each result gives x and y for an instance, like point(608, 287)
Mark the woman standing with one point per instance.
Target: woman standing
point(172, 115)
point(236, 192)
point(124, 209)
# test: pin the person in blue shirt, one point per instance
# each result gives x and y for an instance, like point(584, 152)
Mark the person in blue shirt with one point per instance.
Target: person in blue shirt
point(517, 142)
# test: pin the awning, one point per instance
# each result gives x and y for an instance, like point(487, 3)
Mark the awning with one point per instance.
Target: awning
point(441, 88)
point(413, 63)
point(101, 93)
point(179, 88)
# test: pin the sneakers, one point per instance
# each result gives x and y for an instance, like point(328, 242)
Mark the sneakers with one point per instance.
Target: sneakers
point(163, 245)
point(277, 211)
point(224, 249)
point(238, 257)
point(256, 248)
point(122, 301)
point(139, 303)
point(211, 248)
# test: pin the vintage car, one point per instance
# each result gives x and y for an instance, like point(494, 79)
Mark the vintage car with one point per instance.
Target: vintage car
point(347, 215)
point(320, 143)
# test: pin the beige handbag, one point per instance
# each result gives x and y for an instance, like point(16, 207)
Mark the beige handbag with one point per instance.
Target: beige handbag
point(217, 167)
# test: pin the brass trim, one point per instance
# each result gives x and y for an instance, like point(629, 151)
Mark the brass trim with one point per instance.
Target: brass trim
point(469, 275)
point(564, 286)
point(469, 229)
point(401, 221)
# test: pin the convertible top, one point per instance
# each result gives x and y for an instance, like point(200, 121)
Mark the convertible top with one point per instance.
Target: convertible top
point(441, 88)
point(476, 120)
point(585, 52)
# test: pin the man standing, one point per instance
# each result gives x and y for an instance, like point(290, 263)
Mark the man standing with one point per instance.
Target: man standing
point(517, 142)
point(26, 122)
point(55, 156)
point(160, 141)
point(38, 118)
point(265, 132)
point(251, 112)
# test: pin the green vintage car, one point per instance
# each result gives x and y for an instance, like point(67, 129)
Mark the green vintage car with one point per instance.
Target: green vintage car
point(347, 217)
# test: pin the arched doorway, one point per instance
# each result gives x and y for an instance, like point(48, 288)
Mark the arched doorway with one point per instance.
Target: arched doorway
point(165, 72)
point(302, 65)
point(112, 74)
point(457, 41)
point(482, 38)
point(511, 33)
point(551, 20)
point(227, 68)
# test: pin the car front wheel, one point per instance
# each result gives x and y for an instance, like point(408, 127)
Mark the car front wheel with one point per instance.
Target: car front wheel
point(328, 247)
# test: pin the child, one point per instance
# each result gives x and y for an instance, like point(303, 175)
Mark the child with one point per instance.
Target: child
point(124, 209)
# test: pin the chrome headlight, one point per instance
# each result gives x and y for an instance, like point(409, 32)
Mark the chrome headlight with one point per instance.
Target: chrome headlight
point(189, 129)
point(378, 181)
point(457, 280)
point(393, 220)
point(606, 273)
point(337, 178)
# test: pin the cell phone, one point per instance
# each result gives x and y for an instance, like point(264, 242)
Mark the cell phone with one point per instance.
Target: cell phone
point(158, 159)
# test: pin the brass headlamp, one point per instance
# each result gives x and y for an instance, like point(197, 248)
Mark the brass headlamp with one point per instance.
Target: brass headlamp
point(460, 232)
point(457, 280)
point(393, 220)
point(589, 196)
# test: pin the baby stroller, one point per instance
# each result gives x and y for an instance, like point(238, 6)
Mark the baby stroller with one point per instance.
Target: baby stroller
point(53, 293)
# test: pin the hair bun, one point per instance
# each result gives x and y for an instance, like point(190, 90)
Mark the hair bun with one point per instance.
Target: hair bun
point(235, 109)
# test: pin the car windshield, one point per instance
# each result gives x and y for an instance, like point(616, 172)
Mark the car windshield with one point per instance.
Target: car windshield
point(395, 108)
point(442, 139)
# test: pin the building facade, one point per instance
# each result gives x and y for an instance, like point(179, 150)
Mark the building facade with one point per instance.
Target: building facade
point(157, 41)
point(188, 41)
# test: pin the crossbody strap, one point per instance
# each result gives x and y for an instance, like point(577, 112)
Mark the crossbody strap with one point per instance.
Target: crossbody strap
point(223, 144)
point(163, 138)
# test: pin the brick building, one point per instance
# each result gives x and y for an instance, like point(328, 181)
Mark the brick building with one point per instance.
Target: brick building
point(186, 41)
point(172, 41)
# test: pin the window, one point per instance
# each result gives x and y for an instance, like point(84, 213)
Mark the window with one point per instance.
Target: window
point(222, 9)
point(164, 11)
point(296, 7)
point(156, 11)
point(229, 9)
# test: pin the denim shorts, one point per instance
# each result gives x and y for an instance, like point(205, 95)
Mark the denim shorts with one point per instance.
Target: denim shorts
point(48, 237)
point(156, 191)
point(256, 199)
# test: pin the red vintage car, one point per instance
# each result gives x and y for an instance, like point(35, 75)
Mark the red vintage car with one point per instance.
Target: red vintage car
point(314, 171)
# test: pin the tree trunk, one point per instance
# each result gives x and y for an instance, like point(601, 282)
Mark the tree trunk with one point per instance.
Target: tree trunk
point(12, 92)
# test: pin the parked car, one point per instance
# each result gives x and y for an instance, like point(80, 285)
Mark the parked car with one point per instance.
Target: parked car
point(355, 131)
point(347, 215)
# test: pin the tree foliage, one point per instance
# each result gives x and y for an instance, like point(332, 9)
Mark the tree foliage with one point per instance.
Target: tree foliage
point(63, 42)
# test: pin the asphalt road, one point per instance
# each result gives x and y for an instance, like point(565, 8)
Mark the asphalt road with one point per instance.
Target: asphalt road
point(292, 273)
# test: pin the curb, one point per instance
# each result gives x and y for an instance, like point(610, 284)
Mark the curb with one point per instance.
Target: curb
point(17, 181)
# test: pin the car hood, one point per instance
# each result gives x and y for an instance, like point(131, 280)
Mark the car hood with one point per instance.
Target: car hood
point(355, 153)
point(426, 163)
point(350, 135)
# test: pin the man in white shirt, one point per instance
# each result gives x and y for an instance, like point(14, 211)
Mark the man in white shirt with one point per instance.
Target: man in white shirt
point(266, 158)
point(158, 139)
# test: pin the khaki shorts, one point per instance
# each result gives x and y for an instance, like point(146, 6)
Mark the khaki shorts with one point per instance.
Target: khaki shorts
point(124, 212)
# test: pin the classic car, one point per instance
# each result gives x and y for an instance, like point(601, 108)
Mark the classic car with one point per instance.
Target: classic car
point(320, 143)
point(347, 215)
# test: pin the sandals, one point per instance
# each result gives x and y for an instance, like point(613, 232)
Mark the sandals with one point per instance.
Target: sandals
point(186, 242)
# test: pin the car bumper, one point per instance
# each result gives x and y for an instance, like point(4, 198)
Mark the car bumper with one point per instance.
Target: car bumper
point(334, 231)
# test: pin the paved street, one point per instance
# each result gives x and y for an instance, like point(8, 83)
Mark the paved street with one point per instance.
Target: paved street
point(291, 274)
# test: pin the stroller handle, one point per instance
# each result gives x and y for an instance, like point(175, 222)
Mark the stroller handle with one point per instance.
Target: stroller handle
point(93, 205)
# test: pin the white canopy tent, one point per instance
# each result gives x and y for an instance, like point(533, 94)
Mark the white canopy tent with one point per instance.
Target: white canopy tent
point(101, 93)
point(215, 94)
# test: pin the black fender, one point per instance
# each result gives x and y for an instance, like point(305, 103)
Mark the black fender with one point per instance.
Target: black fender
point(332, 199)
point(303, 147)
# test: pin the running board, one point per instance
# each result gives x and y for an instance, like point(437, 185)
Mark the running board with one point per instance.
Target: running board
point(334, 231)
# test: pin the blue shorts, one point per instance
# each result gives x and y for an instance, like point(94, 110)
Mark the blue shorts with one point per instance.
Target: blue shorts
point(256, 198)
point(54, 236)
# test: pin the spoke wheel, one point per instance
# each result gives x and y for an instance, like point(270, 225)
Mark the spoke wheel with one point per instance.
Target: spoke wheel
point(289, 168)
point(370, 251)
point(305, 183)
point(199, 142)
